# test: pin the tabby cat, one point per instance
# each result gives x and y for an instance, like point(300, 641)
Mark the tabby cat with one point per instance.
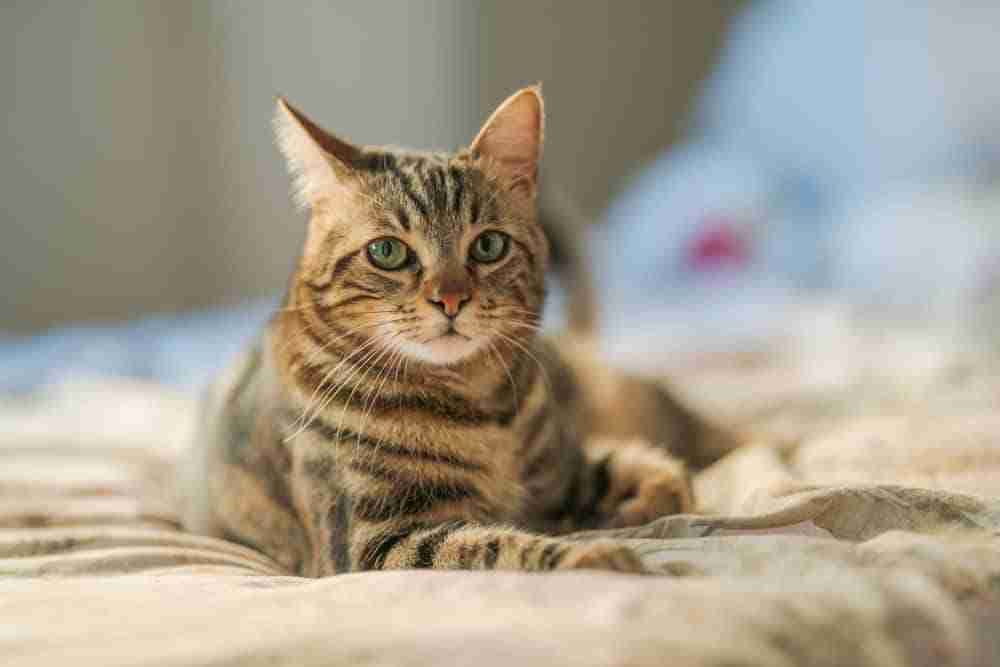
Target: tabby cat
point(400, 410)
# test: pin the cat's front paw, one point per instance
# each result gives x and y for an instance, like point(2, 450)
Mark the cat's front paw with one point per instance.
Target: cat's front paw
point(644, 485)
point(602, 555)
point(654, 496)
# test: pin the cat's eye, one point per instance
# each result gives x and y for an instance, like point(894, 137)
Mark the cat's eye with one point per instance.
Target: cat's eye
point(489, 247)
point(388, 253)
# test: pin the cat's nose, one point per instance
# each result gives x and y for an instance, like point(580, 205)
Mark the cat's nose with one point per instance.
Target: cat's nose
point(450, 303)
point(448, 290)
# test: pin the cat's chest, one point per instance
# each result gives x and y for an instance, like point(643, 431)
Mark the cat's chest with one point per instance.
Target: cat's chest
point(488, 444)
point(478, 439)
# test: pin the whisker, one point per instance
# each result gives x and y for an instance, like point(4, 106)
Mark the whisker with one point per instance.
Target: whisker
point(350, 397)
point(524, 325)
point(513, 385)
point(368, 352)
point(328, 344)
point(321, 404)
point(370, 399)
point(359, 366)
point(532, 328)
point(320, 350)
point(309, 414)
point(314, 303)
point(396, 361)
point(524, 348)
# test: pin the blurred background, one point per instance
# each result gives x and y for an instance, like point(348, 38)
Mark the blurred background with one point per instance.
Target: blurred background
point(138, 170)
point(741, 157)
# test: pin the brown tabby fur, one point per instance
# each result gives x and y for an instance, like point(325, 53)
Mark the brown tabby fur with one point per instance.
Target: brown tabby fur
point(335, 446)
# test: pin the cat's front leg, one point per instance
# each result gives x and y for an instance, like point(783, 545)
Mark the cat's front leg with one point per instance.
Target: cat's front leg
point(459, 545)
point(631, 483)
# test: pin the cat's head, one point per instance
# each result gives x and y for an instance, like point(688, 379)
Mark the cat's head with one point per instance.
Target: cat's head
point(438, 257)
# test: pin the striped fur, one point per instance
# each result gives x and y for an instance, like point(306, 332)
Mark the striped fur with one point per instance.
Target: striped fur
point(359, 434)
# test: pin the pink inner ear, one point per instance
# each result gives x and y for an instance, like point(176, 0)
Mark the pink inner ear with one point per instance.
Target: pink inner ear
point(513, 152)
point(512, 137)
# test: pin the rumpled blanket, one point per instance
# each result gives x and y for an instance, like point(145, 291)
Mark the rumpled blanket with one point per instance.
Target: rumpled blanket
point(859, 526)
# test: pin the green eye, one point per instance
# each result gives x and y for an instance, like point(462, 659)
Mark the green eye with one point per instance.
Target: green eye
point(388, 253)
point(489, 247)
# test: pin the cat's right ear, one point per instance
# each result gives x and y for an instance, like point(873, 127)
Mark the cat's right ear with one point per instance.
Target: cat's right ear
point(319, 162)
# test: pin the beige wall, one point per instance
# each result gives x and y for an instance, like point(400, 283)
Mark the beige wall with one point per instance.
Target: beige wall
point(93, 165)
point(137, 169)
point(137, 172)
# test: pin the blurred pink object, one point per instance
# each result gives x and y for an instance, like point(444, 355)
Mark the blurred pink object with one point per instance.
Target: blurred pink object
point(719, 245)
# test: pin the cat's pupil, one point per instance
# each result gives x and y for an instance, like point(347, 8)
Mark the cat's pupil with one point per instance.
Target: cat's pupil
point(484, 244)
point(386, 248)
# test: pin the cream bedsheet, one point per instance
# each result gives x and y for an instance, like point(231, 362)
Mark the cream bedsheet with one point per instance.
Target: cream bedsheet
point(860, 528)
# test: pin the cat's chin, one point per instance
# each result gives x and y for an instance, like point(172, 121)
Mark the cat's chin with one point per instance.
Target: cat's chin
point(442, 351)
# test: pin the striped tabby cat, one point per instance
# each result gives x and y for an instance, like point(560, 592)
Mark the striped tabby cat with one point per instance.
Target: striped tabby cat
point(400, 410)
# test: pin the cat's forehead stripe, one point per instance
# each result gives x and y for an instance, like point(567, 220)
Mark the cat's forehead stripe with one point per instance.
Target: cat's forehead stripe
point(432, 187)
point(391, 165)
point(403, 218)
point(459, 182)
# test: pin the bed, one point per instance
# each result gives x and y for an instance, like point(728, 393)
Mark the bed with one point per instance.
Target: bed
point(859, 526)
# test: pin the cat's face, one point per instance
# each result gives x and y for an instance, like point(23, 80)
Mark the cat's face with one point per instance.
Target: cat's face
point(431, 257)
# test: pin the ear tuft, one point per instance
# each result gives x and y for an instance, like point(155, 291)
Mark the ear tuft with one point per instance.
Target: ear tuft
point(317, 160)
point(512, 137)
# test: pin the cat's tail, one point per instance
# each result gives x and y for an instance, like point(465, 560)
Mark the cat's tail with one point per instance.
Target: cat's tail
point(566, 227)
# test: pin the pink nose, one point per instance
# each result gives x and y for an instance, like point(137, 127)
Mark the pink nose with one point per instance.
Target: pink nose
point(450, 302)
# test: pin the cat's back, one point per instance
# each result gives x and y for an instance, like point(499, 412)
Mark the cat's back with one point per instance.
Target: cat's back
point(606, 402)
point(225, 417)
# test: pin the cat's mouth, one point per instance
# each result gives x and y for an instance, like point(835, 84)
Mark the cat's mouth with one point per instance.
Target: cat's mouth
point(451, 332)
point(449, 338)
point(448, 346)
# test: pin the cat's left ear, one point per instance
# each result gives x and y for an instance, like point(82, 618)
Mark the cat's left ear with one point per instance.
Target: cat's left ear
point(319, 162)
point(512, 139)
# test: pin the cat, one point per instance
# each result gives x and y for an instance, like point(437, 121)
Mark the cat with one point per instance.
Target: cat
point(401, 410)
